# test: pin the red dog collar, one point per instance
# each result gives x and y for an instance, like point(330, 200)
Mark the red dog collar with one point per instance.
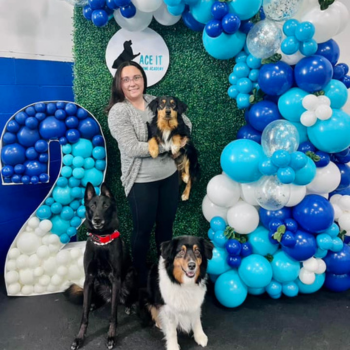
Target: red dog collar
point(103, 240)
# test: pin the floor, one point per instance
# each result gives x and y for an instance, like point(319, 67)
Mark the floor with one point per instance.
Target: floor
point(318, 321)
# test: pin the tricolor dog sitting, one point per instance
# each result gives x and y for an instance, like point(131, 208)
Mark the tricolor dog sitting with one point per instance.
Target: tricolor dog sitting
point(176, 289)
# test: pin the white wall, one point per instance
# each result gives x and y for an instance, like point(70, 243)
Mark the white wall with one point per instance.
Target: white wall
point(36, 29)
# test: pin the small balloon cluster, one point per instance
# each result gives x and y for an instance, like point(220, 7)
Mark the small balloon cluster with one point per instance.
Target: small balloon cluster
point(317, 107)
point(99, 11)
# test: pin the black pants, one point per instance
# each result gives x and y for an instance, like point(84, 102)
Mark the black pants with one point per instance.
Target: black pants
point(152, 203)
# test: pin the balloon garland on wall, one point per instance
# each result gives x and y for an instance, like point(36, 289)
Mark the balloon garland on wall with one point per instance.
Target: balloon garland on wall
point(39, 260)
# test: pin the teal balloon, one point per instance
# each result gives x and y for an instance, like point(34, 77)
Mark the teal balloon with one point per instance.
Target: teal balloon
point(290, 104)
point(100, 165)
point(302, 131)
point(81, 211)
point(56, 208)
point(225, 46)
point(230, 290)
point(331, 135)
point(256, 291)
point(337, 92)
point(201, 11)
point(284, 268)
point(314, 287)
point(92, 175)
point(245, 9)
point(220, 239)
point(274, 289)
point(82, 148)
point(64, 238)
point(67, 213)
point(324, 241)
point(62, 195)
point(240, 160)
point(218, 263)
point(59, 226)
point(259, 239)
point(255, 271)
point(306, 174)
point(320, 253)
point(290, 289)
point(75, 222)
point(89, 163)
point(44, 212)
point(333, 231)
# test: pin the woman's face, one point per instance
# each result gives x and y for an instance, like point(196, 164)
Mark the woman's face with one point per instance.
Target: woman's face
point(132, 83)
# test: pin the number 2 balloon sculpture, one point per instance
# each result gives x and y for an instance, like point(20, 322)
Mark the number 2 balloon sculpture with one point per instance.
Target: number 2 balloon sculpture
point(39, 260)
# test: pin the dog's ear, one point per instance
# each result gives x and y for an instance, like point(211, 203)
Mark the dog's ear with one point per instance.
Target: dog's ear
point(181, 106)
point(105, 191)
point(153, 105)
point(208, 248)
point(89, 192)
point(166, 250)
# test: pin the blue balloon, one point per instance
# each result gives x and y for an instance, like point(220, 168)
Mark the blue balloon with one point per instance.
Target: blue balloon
point(41, 146)
point(284, 268)
point(246, 26)
point(44, 212)
point(276, 78)
point(218, 264)
point(31, 153)
point(304, 31)
point(249, 133)
point(225, 46)
point(345, 176)
point(35, 168)
point(263, 113)
point(259, 240)
point(255, 271)
point(313, 73)
point(219, 9)
point(267, 215)
point(240, 160)
point(19, 169)
point(17, 179)
point(88, 128)
point(290, 26)
point(59, 226)
point(331, 135)
point(72, 122)
point(21, 118)
point(308, 48)
point(217, 223)
point(52, 128)
point(73, 135)
point(13, 154)
point(290, 289)
point(128, 11)
point(306, 174)
point(96, 4)
point(337, 92)
point(274, 289)
point(9, 138)
point(314, 287)
point(61, 105)
point(191, 23)
point(82, 113)
point(32, 123)
point(219, 239)
point(337, 283)
point(329, 50)
point(13, 126)
point(60, 114)
point(305, 247)
point(243, 100)
point(67, 213)
point(27, 137)
point(98, 141)
point(7, 171)
point(213, 28)
point(201, 11)
point(82, 148)
point(290, 45)
point(231, 23)
point(62, 195)
point(40, 116)
point(245, 9)
point(176, 10)
point(290, 104)
point(30, 110)
point(40, 107)
point(51, 108)
point(338, 262)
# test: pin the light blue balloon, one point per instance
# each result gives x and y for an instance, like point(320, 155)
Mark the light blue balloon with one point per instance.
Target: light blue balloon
point(302, 131)
point(62, 195)
point(244, 85)
point(201, 11)
point(225, 46)
point(62, 182)
point(241, 57)
point(290, 45)
point(308, 48)
point(245, 9)
point(324, 241)
point(100, 165)
point(285, 269)
point(81, 211)
point(66, 171)
point(274, 289)
point(220, 239)
point(59, 226)
point(290, 289)
point(89, 163)
point(337, 92)
point(79, 173)
point(241, 70)
point(56, 208)
point(78, 161)
point(73, 182)
point(218, 264)
point(333, 231)
point(177, 9)
point(320, 253)
point(82, 148)
point(75, 205)
point(76, 221)
point(233, 91)
point(230, 290)
point(64, 238)
point(256, 291)
point(68, 159)
point(240, 160)
point(331, 135)
point(337, 244)
point(72, 231)
point(253, 62)
point(77, 192)
point(290, 104)
point(243, 101)
point(311, 288)
point(67, 213)
point(255, 271)
point(67, 149)
point(211, 234)
point(259, 239)
point(217, 223)
point(306, 174)
point(92, 175)
point(44, 212)
point(254, 75)
point(232, 79)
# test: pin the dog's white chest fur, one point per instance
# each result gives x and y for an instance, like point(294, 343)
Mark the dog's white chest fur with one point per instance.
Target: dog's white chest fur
point(182, 301)
point(166, 142)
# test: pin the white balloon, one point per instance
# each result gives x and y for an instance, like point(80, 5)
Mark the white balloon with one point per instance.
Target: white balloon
point(243, 218)
point(12, 277)
point(311, 265)
point(324, 195)
point(45, 225)
point(321, 266)
point(14, 253)
point(43, 252)
point(44, 280)
point(27, 289)
point(51, 288)
point(324, 100)
point(80, 262)
point(337, 211)
point(306, 276)
point(327, 179)
point(63, 257)
point(28, 243)
point(56, 280)
point(310, 102)
point(323, 112)
point(38, 271)
point(39, 232)
point(297, 194)
point(223, 191)
point(62, 270)
point(344, 203)
point(39, 289)
point(13, 288)
point(34, 261)
point(210, 209)
point(22, 261)
point(343, 15)
point(147, 5)
point(164, 17)
point(139, 22)
point(53, 248)
point(344, 221)
point(75, 253)
point(28, 229)
point(74, 273)
point(308, 118)
point(335, 198)
point(50, 265)
point(53, 239)
point(26, 276)
point(11, 265)
point(248, 193)
point(33, 222)
point(292, 60)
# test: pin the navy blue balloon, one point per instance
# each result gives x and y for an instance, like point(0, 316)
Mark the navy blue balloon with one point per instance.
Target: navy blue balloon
point(267, 215)
point(338, 72)
point(263, 113)
point(61, 105)
point(87, 12)
point(35, 168)
point(25, 179)
point(305, 247)
point(324, 159)
point(96, 4)
point(27, 137)
point(7, 171)
point(213, 28)
point(32, 123)
point(9, 138)
point(43, 158)
point(44, 178)
point(219, 9)
point(72, 122)
point(88, 128)
point(346, 81)
point(21, 118)
point(111, 4)
point(344, 176)
point(34, 180)
point(12, 126)
point(51, 108)
point(128, 11)
point(248, 132)
point(313, 73)
point(16, 178)
point(98, 140)
point(330, 50)
point(51, 128)
point(99, 18)
point(306, 146)
point(19, 169)
point(63, 141)
point(231, 23)
point(337, 283)
point(275, 78)
point(246, 26)
point(61, 114)
point(191, 23)
point(13, 154)
point(314, 213)
point(338, 262)
point(73, 135)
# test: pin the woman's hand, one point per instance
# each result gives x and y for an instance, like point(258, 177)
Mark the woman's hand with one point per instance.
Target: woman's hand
point(184, 142)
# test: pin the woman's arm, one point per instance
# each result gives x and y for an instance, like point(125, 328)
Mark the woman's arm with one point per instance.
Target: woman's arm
point(187, 121)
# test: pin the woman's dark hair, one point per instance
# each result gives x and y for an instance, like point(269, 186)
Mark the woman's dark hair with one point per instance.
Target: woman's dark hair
point(117, 94)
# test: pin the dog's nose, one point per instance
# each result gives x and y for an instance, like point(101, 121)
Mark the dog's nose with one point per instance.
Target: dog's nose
point(167, 112)
point(97, 221)
point(191, 265)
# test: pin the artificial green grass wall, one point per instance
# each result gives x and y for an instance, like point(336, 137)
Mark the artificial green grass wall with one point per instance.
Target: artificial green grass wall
point(193, 76)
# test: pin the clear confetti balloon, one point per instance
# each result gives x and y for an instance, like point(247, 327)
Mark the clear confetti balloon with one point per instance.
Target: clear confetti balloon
point(264, 39)
point(281, 10)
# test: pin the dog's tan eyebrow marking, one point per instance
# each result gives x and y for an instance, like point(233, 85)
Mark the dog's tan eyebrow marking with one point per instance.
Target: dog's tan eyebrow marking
point(184, 248)
point(172, 101)
point(195, 247)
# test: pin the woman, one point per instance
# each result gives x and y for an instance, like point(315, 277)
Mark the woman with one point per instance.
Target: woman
point(151, 184)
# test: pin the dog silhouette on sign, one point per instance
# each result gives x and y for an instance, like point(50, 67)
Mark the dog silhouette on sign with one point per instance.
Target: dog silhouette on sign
point(126, 55)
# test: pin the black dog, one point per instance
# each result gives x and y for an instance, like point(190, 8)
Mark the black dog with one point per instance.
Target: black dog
point(126, 55)
point(169, 129)
point(108, 275)
point(176, 289)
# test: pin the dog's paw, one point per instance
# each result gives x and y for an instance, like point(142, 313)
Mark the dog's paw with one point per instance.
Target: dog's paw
point(185, 178)
point(110, 342)
point(153, 148)
point(184, 197)
point(153, 152)
point(201, 339)
point(77, 343)
point(175, 149)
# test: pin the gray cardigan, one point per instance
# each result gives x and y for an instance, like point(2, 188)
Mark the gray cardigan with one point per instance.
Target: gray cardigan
point(130, 131)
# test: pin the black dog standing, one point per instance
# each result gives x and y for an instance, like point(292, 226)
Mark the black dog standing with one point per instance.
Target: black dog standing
point(108, 272)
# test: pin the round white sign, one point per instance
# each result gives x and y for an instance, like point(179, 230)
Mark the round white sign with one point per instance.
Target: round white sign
point(146, 48)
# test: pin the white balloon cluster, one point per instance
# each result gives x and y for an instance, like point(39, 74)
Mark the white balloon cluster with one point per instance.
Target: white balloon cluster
point(145, 11)
point(310, 268)
point(318, 107)
point(36, 265)
point(341, 206)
